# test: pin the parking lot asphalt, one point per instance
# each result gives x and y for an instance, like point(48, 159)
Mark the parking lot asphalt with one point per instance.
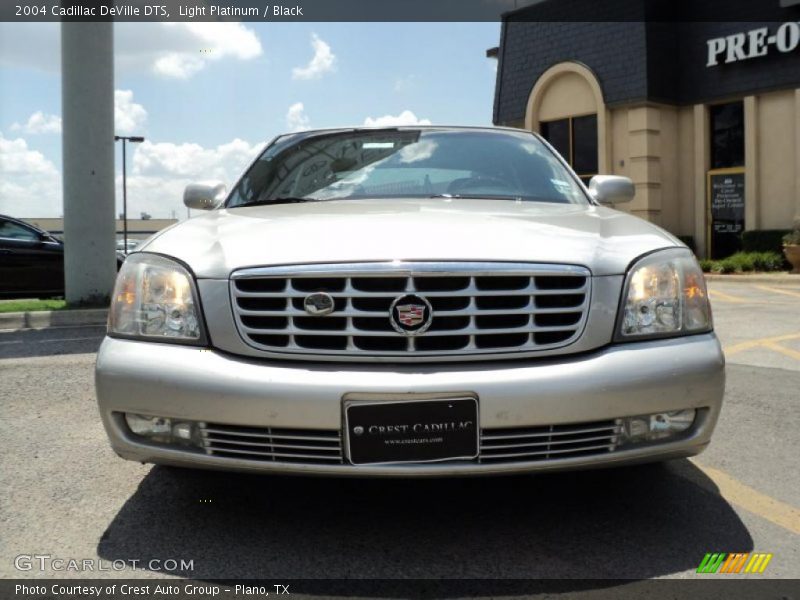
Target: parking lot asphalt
point(63, 492)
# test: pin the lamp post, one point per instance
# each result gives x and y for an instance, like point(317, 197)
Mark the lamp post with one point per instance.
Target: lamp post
point(133, 139)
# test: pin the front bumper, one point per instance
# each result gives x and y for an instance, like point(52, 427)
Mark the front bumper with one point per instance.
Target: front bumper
point(205, 385)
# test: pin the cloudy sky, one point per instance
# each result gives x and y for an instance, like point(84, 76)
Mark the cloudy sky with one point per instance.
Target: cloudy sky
point(208, 96)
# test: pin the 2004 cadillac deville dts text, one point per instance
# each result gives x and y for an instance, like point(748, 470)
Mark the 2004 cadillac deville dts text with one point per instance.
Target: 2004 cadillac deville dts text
point(415, 302)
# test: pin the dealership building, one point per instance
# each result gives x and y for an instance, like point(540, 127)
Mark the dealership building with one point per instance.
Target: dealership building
point(703, 115)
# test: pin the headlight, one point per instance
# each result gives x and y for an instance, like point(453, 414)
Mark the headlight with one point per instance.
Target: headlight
point(155, 299)
point(665, 295)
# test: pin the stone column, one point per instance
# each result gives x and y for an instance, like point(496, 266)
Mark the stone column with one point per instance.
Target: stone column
point(701, 149)
point(87, 99)
point(797, 158)
point(644, 148)
point(752, 200)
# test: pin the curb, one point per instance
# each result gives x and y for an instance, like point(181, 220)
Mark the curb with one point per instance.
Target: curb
point(41, 319)
point(779, 278)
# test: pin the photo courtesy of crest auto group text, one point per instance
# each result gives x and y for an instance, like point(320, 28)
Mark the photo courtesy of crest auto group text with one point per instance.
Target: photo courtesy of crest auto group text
point(429, 299)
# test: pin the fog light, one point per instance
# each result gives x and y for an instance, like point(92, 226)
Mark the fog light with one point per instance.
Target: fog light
point(669, 423)
point(162, 429)
point(658, 426)
point(149, 426)
point(182, 431)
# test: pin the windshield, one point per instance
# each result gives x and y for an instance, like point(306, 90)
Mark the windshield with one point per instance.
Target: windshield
point(408, 163)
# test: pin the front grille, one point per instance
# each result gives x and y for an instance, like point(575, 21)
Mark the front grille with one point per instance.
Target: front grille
point(477, 308)
point(549, 442)
point(309, 446)
point(497, 446)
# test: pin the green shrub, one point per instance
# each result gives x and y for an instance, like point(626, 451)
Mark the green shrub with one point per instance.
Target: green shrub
point(744, 262)
point(792, 238)
point(768, 261)
point(726, 265)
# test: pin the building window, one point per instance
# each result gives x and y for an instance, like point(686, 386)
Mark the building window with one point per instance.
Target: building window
point(727, 135)
point(575, 138)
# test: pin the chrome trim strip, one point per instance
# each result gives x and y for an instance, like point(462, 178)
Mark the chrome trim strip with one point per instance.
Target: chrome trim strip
point(547, 453)
point(407, 269)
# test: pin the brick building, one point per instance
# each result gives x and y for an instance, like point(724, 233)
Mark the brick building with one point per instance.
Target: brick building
point(702, 114)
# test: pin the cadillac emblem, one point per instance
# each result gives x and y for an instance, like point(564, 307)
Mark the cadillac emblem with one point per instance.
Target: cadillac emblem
point(411, 314)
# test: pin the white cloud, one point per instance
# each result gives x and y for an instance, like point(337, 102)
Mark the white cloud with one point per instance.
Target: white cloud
point(179, 66)
point(173, 50)
point(129, 117)
point(161, 170)
point(18, 159)
point(186, 48)
point(39, 122)
point(193, 160)
point(322, 62)
point(296, 118)
point(404, 118)
point(30, 185)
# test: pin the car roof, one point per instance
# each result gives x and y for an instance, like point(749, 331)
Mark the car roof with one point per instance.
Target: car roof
point(327, 130)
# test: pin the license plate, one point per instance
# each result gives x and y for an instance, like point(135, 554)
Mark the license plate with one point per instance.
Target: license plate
point(412, 431)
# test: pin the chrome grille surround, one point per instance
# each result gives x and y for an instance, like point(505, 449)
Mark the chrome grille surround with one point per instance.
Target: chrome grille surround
point(497, 446)
point(480, 310)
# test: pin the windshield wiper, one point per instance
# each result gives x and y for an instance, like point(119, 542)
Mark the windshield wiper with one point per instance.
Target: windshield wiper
point(281, 200)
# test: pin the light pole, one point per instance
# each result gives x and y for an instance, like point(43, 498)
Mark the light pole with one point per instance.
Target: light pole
point(133, 139)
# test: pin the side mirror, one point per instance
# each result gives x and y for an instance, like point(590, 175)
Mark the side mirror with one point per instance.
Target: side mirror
point(611, 189)
point(204, 196)
point(46, 238)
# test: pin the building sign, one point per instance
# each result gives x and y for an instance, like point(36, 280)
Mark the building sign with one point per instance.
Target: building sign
point(726, 202)
point(753, 44)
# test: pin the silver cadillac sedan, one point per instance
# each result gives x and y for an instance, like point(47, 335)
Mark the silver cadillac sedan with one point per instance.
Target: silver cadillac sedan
point(412, 301)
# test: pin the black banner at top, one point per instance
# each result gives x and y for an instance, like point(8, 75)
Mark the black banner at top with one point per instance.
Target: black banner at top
point(394, 10)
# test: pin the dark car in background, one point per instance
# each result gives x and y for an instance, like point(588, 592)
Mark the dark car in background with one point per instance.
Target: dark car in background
point(31, 261)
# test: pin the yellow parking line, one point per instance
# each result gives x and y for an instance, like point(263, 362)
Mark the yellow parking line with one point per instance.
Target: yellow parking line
point(737, 493)
point(778, 291)
point(785, 351)
point(736, 348)
point(725, 297)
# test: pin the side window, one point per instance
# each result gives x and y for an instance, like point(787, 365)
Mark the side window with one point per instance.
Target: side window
point(575, 138)
point(14, 231)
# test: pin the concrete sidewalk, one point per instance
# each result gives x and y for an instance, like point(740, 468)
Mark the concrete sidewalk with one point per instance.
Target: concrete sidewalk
point(52, 318)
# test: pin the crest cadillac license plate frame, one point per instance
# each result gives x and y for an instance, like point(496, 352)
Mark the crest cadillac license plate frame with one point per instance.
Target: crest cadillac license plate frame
point(412, 430)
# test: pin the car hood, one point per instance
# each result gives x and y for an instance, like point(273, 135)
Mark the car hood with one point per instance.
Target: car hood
point(218, 242)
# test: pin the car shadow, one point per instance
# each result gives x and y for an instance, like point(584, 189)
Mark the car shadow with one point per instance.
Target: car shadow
point(635, 522)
